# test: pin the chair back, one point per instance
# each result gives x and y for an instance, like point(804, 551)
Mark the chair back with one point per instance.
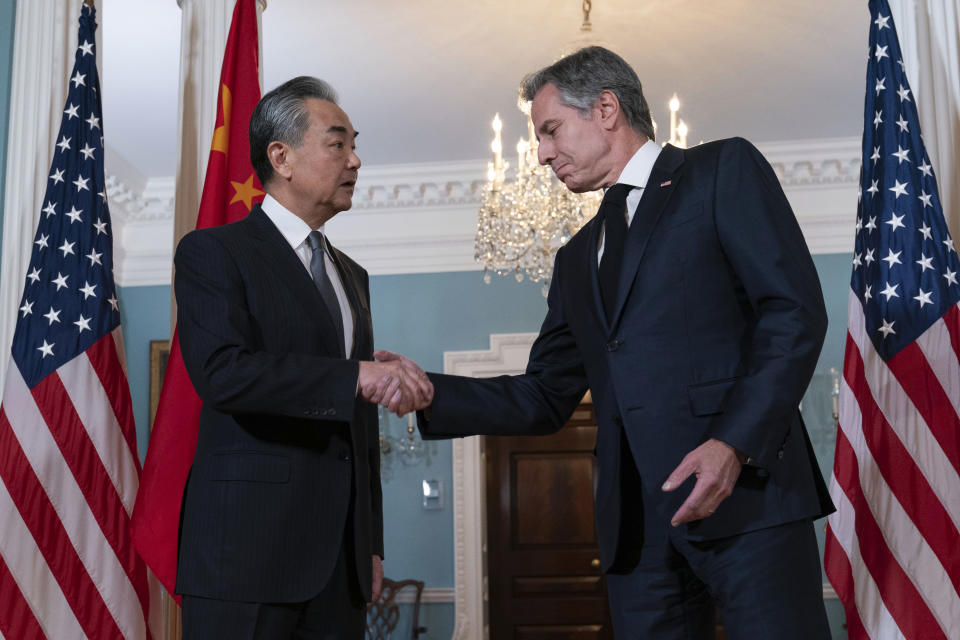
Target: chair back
point(383, 615)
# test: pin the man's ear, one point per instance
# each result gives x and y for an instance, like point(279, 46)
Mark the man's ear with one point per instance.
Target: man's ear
point(608, 107)
point(279, 155)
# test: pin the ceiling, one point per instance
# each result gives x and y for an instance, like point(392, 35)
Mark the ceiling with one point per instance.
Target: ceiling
point(421, 79)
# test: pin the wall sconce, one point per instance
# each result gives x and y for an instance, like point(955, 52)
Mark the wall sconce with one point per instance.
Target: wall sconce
point(408, 447)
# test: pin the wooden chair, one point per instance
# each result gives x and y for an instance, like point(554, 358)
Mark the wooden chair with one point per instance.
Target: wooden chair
point(384, 614)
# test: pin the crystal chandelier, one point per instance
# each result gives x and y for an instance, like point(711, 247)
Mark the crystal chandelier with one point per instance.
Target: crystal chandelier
point(522, 223)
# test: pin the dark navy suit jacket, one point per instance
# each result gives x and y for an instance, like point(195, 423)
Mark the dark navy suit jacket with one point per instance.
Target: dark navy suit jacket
point(286, 452)
point(719, 322)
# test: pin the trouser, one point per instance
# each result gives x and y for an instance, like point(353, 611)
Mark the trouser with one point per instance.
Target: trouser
point(338, 612)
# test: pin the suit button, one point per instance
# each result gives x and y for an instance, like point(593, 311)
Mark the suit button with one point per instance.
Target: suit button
point(331, 412)
point(323, 412)
point(614, 344)
point(780, 454)
point(345, 457)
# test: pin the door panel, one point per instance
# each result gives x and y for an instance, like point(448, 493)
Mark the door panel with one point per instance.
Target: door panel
point(544, 574)
point(552, 499)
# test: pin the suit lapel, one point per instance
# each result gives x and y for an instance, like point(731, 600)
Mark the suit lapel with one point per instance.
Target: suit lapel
point(277, 253)
point(660, 186)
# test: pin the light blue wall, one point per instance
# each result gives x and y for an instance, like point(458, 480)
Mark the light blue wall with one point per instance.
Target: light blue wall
point(145, 316)
point(424, 315)
point(8, 11)
point(834, 273)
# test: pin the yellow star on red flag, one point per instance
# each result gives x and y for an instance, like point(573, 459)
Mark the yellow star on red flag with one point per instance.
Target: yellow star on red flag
point(245, 192)
point(221, 135)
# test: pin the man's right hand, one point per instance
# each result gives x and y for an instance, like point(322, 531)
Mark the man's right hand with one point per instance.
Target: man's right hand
point(394, 382)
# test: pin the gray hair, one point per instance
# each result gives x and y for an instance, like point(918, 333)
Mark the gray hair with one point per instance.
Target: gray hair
point(581, 76)
point(281, 116)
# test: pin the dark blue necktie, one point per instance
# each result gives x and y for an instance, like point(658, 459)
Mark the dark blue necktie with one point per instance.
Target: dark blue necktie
point(613, 211)
point(318, 268)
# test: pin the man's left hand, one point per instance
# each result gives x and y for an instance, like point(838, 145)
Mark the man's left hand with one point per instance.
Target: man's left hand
point(717, 467)
point(377, 578)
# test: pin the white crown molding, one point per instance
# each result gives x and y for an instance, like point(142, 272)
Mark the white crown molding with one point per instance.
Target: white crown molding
point(143, 231)
point(422, 217)
point(815, 162)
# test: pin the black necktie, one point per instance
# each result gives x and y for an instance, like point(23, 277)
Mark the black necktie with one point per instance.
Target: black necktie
point(613, 213)
point(318, 268)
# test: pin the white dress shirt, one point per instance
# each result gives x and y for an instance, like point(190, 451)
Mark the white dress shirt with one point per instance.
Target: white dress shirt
point(295, 231)
point(637, 172)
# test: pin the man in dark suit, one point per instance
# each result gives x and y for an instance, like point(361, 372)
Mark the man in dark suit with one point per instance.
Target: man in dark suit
point(282, 527)
point(691, 309)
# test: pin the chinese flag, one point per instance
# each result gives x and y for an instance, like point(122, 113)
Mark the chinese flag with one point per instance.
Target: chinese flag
point(230, 190)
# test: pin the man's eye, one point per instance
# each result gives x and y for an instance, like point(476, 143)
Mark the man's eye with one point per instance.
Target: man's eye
point(338, 145)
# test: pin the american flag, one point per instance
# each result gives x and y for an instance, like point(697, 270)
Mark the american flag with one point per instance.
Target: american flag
point(68, 456)
point(893, 545)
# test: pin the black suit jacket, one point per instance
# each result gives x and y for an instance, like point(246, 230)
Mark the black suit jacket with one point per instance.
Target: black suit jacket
point(286, 452)
point(719, 323)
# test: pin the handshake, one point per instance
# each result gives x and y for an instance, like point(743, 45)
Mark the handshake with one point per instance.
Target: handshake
point(394, 382)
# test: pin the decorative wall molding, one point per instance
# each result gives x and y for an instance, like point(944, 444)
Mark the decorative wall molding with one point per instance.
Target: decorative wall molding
point(421, 217)
point(430, 596)
point(824, 162)
point(420, 185)
point(143, 229)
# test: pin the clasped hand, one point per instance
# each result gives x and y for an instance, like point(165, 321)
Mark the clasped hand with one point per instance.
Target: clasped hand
point(394, 382)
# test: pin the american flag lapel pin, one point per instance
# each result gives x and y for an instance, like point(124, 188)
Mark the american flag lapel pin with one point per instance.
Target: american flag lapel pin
point(666, 184)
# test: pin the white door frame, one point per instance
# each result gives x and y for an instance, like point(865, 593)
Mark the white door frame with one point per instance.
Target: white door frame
point(507, 355)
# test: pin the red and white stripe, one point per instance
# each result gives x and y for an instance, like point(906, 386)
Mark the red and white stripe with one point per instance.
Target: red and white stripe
point(893, 546)
point(68, 479)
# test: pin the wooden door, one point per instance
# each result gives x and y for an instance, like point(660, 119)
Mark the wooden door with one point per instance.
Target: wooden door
point(545, 581)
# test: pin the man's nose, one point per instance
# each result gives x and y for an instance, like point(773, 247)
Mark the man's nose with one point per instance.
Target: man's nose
point(353, 162)
point(545, 153)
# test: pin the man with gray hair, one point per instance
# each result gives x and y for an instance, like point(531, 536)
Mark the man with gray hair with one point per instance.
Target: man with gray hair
point(282, 521)
point(691, 309)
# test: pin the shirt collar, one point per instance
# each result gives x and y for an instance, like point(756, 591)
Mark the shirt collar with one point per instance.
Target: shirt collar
point(290, 225)
point(638, 169)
